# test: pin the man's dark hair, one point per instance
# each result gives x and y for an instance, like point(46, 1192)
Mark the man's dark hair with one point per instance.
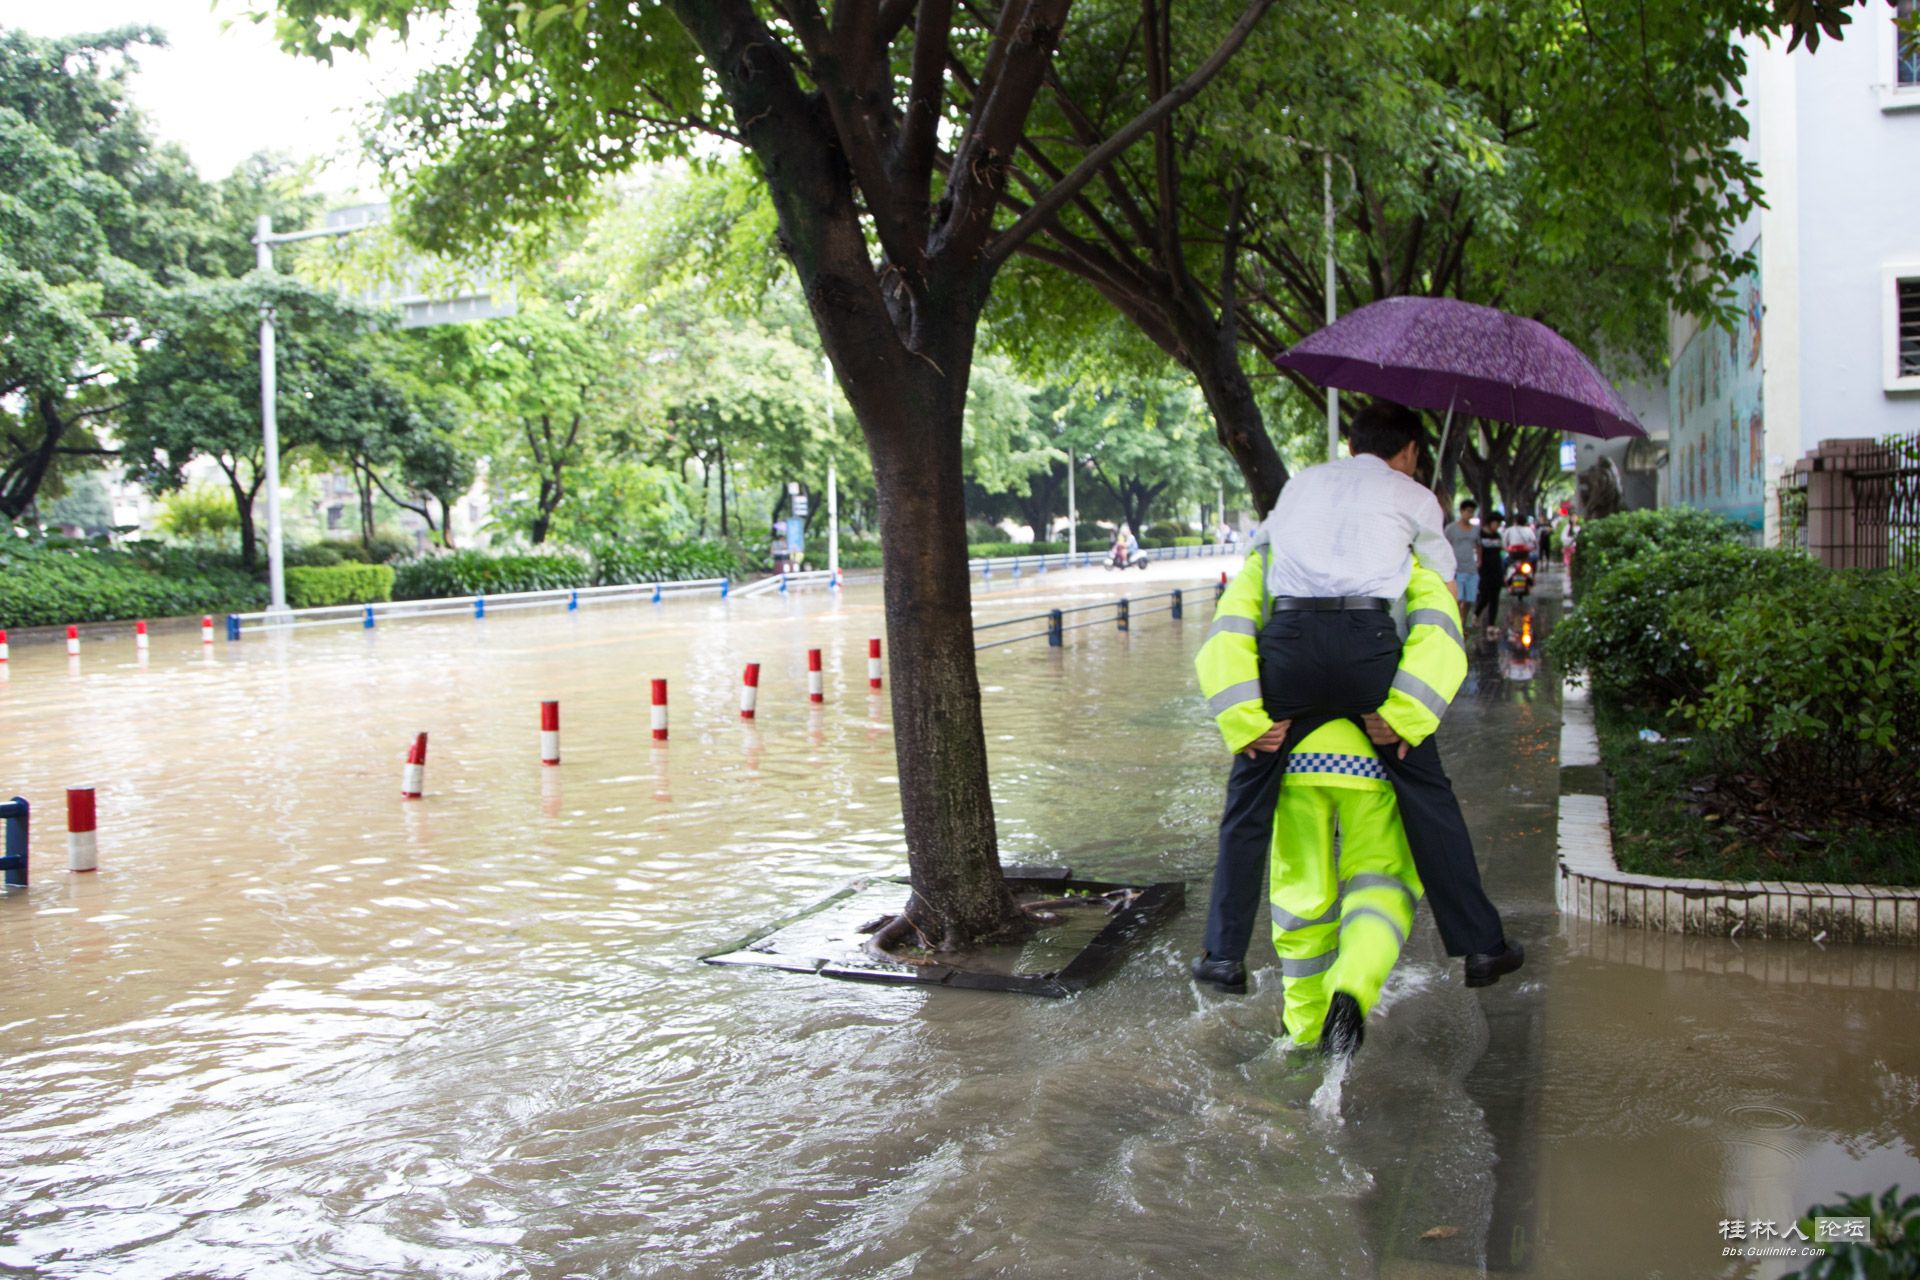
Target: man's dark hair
point(1495, 515)
point(1469, 503)
point(1383, 429)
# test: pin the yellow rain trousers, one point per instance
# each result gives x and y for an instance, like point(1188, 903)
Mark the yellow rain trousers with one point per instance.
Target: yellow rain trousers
point(1342, 909)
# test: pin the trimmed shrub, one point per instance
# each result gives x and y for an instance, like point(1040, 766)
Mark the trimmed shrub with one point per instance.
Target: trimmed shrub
point(669, 562)
point(60, 581)
point(1633, 535)
point(310, 586)
point(1192, 540)
point(478, 573)
point(860, 555)
point(1633, 635)
point(1166, 531)
point(1817, 681)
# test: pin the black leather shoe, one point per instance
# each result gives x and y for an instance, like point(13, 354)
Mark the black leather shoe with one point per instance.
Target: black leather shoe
point(1343, 1032)
point(1229, 976)
point(1485, 967)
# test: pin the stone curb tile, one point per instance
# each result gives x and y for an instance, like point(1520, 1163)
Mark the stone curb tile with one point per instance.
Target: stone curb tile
point(1591, 885)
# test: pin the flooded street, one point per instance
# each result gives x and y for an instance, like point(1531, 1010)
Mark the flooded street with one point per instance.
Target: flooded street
point(296, 1026)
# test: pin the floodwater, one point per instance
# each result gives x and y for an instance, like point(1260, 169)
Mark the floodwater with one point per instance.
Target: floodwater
point(296, 1026)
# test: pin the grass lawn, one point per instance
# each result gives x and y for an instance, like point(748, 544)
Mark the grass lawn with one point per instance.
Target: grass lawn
point(1675, 814)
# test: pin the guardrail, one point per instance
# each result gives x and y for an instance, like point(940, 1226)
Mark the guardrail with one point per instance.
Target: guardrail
point(369, 615)
point(1123, 609)
point(1087, 559)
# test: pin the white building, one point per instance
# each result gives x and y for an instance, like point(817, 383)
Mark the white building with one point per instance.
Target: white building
point(1829, 342)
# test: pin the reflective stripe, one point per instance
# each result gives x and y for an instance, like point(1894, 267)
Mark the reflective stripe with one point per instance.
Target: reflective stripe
point(1233, 695)
point(1422, 692)
point(1226, 624)
point(1307, 966)
point(1287, 920)
point(1441, 618)
point(1356, 912)
point(1376, 880)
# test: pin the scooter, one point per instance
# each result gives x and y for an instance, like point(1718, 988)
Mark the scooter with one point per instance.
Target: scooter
point(1120, 560)
point(1520, 579)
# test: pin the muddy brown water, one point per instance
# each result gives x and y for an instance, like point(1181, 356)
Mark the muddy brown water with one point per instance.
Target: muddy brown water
point(297, 1027)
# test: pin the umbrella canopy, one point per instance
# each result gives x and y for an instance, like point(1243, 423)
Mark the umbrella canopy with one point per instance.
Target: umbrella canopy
point(1441, 354)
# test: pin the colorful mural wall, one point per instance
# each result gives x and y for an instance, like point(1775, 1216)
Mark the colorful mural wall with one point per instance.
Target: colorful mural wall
point(1716, 449)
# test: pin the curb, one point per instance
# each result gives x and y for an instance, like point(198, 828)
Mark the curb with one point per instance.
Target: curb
point(1590, 885)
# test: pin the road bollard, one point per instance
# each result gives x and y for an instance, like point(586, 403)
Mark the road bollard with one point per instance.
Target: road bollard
point(413, 774)
point(1056, 628)
point(749, 690)
point(656, 593)
point(816, 689)
point(140, 636)
point(726, 586)
point(873, 663)
point(1123, 620)
point(783, 582)
point(659, 710)
point(73, 642)
point(83, 848)
point(479, 606)
point(366, 619)
point(1177, 614)
point(3, 644)
point(13, 866)
point(573, 601)
point(206, 628)
point(550, 732)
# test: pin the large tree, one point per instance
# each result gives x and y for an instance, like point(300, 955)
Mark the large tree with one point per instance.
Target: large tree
point(885, 135)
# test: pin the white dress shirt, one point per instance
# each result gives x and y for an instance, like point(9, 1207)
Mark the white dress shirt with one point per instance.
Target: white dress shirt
point(1351, 528)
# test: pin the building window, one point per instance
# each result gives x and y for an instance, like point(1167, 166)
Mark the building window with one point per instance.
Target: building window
point(1907, 328)
point(1906, 46)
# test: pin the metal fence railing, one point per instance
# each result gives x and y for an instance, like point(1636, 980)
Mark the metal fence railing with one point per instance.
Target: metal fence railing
point(566, 598)
point(1121, 615)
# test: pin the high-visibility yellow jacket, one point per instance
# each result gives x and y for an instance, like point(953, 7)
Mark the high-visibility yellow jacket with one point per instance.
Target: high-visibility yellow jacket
point(1433, 661)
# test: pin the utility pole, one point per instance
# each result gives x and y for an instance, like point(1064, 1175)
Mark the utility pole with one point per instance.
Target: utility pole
point(1073, 513)
point(264, 239)
point(1333, 397)
point(833, 482)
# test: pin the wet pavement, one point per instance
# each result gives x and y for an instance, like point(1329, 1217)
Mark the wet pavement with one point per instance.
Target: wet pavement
point(296, 1026)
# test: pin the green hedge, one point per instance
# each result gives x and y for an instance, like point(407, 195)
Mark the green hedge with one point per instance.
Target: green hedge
point(481, 573)
point(1633, 535)
point(1634, 635)
point(59, 581)
point(310, 586)
point(673, 562)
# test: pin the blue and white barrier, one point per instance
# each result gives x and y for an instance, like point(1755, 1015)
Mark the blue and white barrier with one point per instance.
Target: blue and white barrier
point(14, 865)
point(480, 606)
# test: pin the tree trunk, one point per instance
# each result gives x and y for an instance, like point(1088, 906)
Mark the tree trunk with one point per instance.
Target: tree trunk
point(20, 483)
point(1214, 359)
point(912, 418)
point(723, 491)
point(243, 509)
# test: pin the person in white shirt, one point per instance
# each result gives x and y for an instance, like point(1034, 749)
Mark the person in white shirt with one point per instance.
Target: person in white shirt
point(1343, 538)
point(1522, 541)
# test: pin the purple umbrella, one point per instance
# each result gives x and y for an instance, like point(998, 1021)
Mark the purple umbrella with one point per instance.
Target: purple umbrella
point(1451, 356)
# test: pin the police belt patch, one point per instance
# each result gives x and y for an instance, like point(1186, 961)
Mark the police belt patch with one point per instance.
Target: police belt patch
point(1330, 762)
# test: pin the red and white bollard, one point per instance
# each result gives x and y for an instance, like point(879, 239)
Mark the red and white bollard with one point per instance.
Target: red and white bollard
point(816, 688)
point(83, 849)
point(659, 710)
point(413, 774)
point(550, 733)
point(3, 646)
point(749, 690)
point(206, 629)
point(1223, 577)
point(140, 636)
point(73, 642)
point(873, 663)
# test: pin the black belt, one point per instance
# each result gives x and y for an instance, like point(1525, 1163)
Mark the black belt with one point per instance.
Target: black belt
point(1285, 604)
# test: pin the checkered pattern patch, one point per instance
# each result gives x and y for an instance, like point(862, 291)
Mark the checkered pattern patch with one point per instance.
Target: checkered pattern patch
point(1329, 762)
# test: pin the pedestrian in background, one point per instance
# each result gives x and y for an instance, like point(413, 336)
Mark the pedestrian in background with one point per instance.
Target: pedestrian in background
point(1492, 566)
point(1463, 535)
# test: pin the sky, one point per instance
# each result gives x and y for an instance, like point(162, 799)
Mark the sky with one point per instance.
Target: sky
point(224, 94)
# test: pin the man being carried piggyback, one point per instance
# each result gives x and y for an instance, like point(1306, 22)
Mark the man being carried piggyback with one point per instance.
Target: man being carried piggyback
point(1307, 635)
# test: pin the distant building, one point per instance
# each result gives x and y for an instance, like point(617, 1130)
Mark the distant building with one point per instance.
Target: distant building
point(1828, 343)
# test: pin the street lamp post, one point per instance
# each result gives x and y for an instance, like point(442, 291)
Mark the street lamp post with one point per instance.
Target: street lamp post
point(833, 482)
